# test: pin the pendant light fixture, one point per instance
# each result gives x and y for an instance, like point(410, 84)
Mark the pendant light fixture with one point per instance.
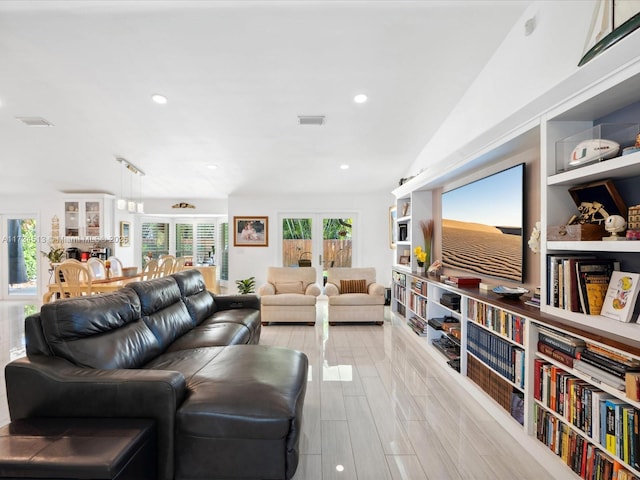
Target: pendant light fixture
point(132, 203)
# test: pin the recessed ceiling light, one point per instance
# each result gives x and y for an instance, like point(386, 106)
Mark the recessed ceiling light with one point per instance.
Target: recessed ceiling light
point(212, 167)
point(161, 99)
point(344, 166)
point(360, 98)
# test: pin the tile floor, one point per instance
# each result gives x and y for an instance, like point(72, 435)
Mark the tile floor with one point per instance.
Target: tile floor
point(377, 407)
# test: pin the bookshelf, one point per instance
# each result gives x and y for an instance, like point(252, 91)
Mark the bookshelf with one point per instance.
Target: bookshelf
point(498, 361)
point(411, 208)
point(587, 100)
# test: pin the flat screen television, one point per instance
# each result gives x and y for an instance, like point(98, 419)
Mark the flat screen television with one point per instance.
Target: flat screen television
point(482, 226)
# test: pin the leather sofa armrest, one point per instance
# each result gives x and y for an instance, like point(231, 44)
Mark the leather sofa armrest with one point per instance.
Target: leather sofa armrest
point(376, 289)
point(267, 289)
point(228, 302)
point(331, 290)
point(313, 289)
point(53, 387)
point(44, 386)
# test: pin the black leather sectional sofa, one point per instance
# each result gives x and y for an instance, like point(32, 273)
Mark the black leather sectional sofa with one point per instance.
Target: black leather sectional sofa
point(167, 349)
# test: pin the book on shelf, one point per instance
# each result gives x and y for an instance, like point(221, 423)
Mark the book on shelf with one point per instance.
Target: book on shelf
point(593, 282)
point(607, 364)
point(621, 295)
point(619, 357)
point(565, 343)
point(463, 281)
point(557, 355)
point(599, 375)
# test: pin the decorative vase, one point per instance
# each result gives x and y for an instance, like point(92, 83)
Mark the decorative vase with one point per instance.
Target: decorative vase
point(420, 268)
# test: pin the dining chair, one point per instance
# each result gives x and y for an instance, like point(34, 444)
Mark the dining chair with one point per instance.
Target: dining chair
point(96, 268)
point(116, 266)
point(179, 264)
point(166, 266)
point(73, 279)
point(150, 270)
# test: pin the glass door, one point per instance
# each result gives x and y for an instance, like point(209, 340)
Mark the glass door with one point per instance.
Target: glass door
point(317, 240)
point(19, 253)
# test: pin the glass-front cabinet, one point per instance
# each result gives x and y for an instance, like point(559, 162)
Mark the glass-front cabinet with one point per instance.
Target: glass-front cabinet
point(88, 217)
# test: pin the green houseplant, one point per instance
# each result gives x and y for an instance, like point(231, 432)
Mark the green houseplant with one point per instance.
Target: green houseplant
point(54, 255)
point(248, 285)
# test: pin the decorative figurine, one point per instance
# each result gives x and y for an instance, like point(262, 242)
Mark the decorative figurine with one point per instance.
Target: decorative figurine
point(615, 224)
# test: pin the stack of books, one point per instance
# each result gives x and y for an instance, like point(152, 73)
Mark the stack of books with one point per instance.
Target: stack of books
point(534, 301)
point(608, 366)
point(561, 347)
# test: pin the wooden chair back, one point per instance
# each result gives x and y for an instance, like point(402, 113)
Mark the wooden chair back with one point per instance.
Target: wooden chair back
point(166, 266)
point(73, 279)
point(150, 270)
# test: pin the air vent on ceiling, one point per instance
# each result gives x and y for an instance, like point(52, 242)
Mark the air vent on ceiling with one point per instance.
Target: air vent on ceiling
point(35, 121)
point(311, 120)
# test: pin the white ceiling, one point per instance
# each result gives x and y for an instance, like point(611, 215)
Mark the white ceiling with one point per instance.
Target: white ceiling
point(236, 74)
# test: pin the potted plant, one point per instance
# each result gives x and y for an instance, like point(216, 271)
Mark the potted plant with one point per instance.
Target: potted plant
point(54, 255)
point(248, 285)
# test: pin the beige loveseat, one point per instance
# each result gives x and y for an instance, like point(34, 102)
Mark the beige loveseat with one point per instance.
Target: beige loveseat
point(365, 305)
point(289, 295)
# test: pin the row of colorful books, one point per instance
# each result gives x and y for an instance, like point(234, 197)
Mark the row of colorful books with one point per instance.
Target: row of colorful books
point(418, 305)
point(605, 419)
point(578, 402)
point(499, 354)
point(578, 283)
point(585, 458)
point(399, 293)
point(605, 365)
point(419, 286)
point(593, 286)
point(506, 324)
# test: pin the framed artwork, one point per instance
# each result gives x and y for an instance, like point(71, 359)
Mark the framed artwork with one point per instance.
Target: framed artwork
point(393, 214)
point(125, 234)
point(250, 231)
point(404, 260)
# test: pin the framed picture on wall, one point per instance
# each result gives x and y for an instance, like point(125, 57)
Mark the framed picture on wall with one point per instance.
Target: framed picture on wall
point(125, 234)
point(250, 231)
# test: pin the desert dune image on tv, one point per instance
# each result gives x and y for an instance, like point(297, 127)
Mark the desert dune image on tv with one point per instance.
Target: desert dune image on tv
point(482, 226)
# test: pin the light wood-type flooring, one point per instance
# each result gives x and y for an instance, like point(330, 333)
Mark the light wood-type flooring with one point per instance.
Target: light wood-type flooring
point(377, 407)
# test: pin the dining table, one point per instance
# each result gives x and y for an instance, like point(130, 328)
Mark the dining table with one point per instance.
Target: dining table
point(103, 285)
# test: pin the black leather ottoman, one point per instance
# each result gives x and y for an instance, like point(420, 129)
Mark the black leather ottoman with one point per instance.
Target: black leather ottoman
point(78, 448)
point(242, 418)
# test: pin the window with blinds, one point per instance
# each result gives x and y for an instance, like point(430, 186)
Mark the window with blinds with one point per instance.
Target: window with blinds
point(184, 239)
point(155, 240)
point(224, 251)
point(205, 242)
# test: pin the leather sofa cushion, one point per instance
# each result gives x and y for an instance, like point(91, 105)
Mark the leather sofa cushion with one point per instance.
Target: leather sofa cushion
point(163, 309)
point(216, 334)
point(199, 301)
point(101, 331)
point(247, 391)
point(187, 362)
point(244, 316)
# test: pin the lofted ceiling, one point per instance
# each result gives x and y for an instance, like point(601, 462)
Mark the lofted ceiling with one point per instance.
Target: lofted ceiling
point(237, 74)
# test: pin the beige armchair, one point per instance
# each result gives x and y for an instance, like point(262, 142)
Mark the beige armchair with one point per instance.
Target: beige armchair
point(354, 295)
point(289, 295)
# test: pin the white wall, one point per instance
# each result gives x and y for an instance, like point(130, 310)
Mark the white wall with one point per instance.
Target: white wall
point(371, 242)
point(526, 76)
